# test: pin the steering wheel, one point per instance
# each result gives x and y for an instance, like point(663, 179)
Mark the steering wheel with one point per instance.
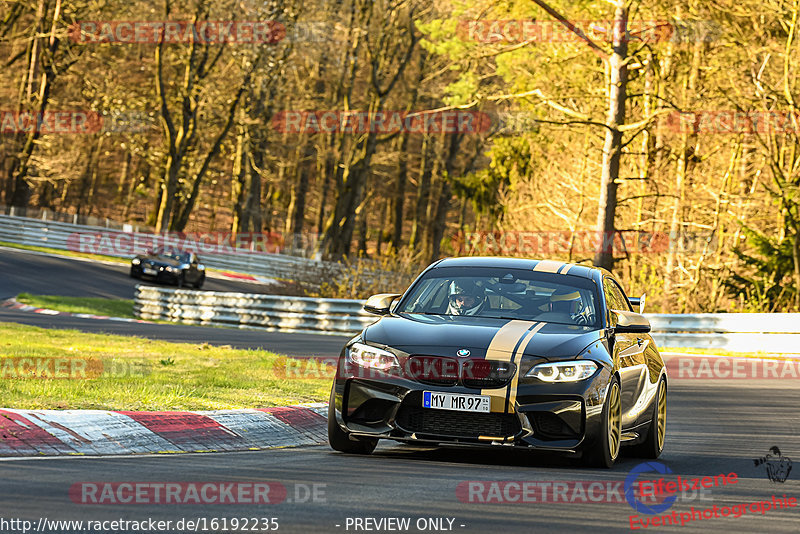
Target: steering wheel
point(583, 318)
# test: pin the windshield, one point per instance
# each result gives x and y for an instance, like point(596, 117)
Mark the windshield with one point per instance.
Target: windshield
point(504, 293)
point(167, 252)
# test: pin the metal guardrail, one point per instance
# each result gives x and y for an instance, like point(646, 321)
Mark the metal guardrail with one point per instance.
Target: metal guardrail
point(745, 332)
point(45, 214)
point(246, 310)
point(65, 236)
point(742, 323)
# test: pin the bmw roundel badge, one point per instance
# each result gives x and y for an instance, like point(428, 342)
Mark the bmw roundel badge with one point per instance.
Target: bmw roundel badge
point(463, 353)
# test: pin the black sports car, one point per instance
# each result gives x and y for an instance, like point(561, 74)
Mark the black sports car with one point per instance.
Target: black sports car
point(171, 266)
point(504, 352)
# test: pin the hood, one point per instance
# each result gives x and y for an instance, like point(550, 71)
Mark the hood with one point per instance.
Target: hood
point(446, 335)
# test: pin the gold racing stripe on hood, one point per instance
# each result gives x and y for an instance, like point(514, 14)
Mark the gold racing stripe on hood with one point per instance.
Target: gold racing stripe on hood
point(501, 349)
point(512, 396)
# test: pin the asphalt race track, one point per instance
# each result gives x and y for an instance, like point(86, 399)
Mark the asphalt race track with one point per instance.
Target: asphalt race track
point(714, 427)
point(51, 275)
point(47, 275)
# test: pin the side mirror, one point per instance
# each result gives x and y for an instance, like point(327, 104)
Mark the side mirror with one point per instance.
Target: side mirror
point(629, 322)
point(380, 304)
point(639, 302)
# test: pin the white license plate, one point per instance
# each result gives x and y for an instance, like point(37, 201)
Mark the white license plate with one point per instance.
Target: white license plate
point(455, 401)
point(148, 270)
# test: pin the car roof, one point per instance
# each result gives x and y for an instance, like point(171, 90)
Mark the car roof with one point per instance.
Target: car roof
point(549, 266)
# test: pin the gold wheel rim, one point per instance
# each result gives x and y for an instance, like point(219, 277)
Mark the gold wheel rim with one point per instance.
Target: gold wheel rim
point(614, 420)
point(662, 414)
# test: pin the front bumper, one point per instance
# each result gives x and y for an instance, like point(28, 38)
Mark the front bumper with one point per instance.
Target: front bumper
point(162, 275)
point(563, 417)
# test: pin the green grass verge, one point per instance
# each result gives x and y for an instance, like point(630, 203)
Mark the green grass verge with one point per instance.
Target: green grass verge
point(90, 305)
point(130, 373)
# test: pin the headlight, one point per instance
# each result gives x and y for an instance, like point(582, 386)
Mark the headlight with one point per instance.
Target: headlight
point(570, 371)
point(172, 269)
point(136, 261)
point(371, 357)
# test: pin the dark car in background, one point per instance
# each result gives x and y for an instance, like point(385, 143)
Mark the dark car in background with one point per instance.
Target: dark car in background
point(170, 266)
point(501, 353)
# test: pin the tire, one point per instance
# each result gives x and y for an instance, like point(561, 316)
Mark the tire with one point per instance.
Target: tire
point(181, 280)
point(339, 440)
point(199, 283)
point(606, 449)
point(132, 274)
point(653, 445)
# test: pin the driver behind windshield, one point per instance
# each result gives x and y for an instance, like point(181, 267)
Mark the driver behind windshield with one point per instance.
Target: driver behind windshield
point(568, 302)
point(465, 298)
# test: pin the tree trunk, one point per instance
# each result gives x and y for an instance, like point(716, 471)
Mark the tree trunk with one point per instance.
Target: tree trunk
point(253, 206)
point(327, 173)
point(423, 190)
point(341, 225)
point(87, 179)
point(399, 192)
point(681, 173)
point(305, 165)
point(123, 176)
point(362, 234)
point(445, 196)
point(238, 180)
point(41, 55)
point(612, 148)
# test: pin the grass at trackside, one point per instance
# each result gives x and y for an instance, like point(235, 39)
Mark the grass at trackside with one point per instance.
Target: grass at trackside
point(68, 253)
point(90, 305)
point(142, 374)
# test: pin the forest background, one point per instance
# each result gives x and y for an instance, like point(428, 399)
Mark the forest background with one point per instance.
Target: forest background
point(659, 139)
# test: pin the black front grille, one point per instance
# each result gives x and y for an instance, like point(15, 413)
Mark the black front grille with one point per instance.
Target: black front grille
point(456, 424)
point(433, 370)
point(486, 373)
point(443, 371)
